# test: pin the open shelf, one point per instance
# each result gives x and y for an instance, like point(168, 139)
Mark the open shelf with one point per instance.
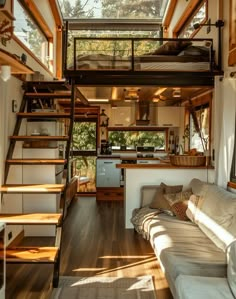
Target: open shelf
point(17, 67)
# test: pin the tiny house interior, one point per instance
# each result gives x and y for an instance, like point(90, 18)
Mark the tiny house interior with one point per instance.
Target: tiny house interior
point(101, 101)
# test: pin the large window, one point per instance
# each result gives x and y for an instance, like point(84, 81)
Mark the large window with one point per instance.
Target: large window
point(200, 128)
point(29, 33)
point(113, 9)
point(130, 139)
point(199, 16)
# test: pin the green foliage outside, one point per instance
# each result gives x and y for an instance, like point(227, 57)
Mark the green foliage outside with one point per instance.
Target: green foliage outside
point(84, 138)
point(131, 139)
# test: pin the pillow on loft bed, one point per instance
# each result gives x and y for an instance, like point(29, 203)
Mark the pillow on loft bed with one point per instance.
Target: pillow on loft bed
point(171, 48)
point(195, 51)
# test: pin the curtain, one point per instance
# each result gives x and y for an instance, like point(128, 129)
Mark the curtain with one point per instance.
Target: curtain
point(224, 127)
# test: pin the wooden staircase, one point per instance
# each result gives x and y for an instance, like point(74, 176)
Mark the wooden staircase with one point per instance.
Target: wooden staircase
point(38, 92)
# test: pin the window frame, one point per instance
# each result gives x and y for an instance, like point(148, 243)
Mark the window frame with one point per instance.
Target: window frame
point(35, 16)
point(190, 18)
point(188, 15)
point(137, 129)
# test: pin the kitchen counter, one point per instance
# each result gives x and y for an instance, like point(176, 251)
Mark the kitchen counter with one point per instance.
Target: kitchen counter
point(160, 165)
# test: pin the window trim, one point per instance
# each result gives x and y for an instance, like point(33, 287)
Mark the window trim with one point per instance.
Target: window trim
point(187, 15)
point(157, 129)
point(40, 22)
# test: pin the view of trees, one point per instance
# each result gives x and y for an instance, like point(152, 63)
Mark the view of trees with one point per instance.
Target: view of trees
point(131, 139)
point(113, 9)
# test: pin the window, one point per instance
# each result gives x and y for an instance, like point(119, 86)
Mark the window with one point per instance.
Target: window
point(84, 152)
point(130, 139)
point(199, 128)
point(199, 16)
point(29, 33)
point(128, 9)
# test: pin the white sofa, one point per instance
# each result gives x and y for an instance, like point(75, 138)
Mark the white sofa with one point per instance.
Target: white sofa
point(192, 254)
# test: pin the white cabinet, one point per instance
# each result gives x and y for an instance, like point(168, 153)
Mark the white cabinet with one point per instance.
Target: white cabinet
point(169, 116)
point(121, 116)
point(107, 173)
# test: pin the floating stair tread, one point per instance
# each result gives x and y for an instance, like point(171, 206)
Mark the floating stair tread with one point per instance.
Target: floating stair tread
point(44, 114)
point(57, 95)
point(38, 137)
point(32, 188)
point(36, 161)
point(31, 254)
point(31, 218)
point(50, 85)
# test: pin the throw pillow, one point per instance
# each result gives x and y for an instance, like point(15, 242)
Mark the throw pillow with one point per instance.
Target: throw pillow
point(159, 201)
point(231, 267)
point(173, 198)
point(179, 203)
point(171, 188)
point(179, 209)
point(171, 48)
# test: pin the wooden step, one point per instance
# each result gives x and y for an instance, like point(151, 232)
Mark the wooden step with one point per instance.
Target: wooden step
point(36, 161)
point(43, 115)
point(32, 188)
point(33, 137)
point(31, 218)
point(35, 254)
point(48, 85)
point(55, 95)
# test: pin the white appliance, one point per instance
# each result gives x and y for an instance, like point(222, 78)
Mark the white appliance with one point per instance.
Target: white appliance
point(107, 173)
point(2, 260)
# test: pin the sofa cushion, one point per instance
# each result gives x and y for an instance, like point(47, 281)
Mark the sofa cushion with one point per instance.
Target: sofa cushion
point(159, 201)
point(231, 268)
point(217, 217)
point(195, 287)
point(198, 187)
point(183, 248)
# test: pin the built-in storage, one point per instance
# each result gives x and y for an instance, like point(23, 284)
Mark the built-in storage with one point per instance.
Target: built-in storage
point(107, 173)
point(168, 116)
point(108, 180)
point(114, 193)
point(121, 116)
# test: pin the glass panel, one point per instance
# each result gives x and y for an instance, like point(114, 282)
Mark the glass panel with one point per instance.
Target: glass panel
point(200, 17)
point(200, 140)
point(131, 139)
point(112, 9)
point(29, 34)
point(85, 168)
point(84, 136)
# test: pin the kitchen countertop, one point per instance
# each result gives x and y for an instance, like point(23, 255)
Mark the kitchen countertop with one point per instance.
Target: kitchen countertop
point(160, 165)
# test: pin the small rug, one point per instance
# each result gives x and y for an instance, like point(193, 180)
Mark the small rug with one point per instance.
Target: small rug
point(72, 287)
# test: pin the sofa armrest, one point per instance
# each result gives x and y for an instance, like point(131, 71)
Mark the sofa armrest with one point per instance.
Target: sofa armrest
point(147, 194)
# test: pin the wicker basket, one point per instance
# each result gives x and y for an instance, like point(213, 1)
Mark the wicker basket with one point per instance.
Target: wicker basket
point(184, 160)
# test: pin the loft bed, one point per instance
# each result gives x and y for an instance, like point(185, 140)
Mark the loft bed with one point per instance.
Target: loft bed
point(145, 61)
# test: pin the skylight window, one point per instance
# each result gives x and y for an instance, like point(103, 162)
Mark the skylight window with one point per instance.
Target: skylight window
point(112, 9)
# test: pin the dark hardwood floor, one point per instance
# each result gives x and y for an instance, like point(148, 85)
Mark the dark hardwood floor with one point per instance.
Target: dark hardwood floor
point(95, 242)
